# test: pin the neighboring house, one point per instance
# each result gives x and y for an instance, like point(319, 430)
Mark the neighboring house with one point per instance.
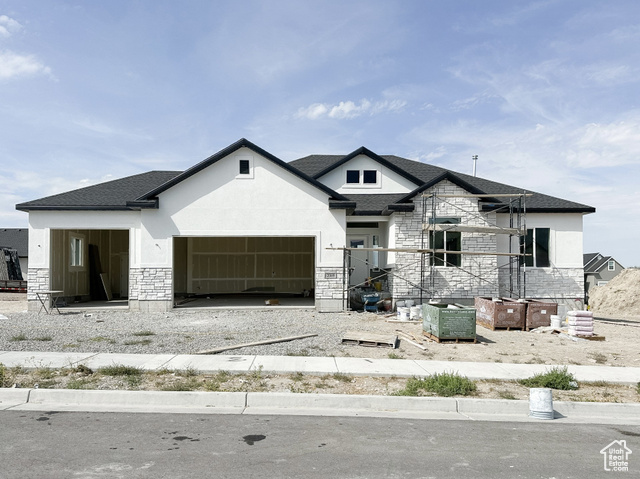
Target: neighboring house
point(598, 271)
point(244, 220)
point(17, 239)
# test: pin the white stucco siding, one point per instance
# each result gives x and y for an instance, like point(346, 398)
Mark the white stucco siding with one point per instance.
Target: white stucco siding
point(565, 241)
point(217, 201)
point(42, 222)
point(388, 180)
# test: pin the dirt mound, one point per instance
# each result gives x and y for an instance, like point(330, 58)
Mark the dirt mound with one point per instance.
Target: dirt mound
point(620, 296)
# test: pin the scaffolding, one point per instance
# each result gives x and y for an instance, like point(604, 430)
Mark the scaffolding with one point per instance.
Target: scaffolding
point(473, 219)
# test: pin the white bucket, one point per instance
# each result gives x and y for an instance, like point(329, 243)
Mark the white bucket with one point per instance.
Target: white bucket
point(540, 403)
point(404, 314)
point(555, 321)
point(409, 302)
point(416, 312)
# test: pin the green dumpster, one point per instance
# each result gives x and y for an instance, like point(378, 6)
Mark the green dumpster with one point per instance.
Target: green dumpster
point(442, 321)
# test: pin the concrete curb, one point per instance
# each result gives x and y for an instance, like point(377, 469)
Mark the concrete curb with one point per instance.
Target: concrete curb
point(13, 397)
point(309, 404)
point(151, 401)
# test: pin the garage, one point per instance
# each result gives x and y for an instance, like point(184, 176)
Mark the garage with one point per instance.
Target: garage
point(90, 265)
point(243, 270)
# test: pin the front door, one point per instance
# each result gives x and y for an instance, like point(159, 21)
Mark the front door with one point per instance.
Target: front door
point(358, 260)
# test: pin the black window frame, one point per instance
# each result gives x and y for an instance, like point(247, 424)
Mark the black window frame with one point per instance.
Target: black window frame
point(367, 177)
point(448, 241)
point(244, 167)
point(353, 175)
point(535, 245)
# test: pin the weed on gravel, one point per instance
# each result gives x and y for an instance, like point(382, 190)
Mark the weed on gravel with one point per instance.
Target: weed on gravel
point(554, 378)
point(445, 384)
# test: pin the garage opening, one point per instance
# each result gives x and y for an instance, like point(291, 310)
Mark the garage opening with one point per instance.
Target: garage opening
point(243, 271)
point(90, 267)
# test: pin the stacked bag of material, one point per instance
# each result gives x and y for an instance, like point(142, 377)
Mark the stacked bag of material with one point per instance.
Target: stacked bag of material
point(580, 323)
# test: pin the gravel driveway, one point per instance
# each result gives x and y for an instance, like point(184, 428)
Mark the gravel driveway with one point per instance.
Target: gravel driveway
point(183, 332)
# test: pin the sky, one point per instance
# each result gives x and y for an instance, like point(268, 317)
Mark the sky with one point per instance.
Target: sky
point(546, 92)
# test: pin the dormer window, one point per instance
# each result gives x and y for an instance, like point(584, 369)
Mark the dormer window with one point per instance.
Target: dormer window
point(353, 177)
point(370, 177)
point(363, 178)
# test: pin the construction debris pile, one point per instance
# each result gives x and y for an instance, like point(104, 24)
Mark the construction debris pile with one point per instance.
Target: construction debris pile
point(619, 297)
point(10, 272)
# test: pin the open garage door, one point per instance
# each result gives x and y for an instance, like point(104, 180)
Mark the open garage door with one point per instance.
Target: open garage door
point(90, 266)
point(244, 267)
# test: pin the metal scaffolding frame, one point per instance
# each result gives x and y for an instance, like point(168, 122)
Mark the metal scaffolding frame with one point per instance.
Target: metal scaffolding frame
point(515, 205)
point(516, 208)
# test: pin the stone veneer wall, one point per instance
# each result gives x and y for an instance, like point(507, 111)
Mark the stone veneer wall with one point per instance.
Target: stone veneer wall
point(477, 275)
point(561, 285)
point(329, 287)
point(37, 280)
point(148, 286)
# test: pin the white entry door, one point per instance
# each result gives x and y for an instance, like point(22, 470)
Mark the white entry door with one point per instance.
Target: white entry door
point(358, 260)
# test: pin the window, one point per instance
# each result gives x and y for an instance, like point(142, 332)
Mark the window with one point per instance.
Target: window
point(449, 241)
point(366, 178)
point(76, 251)
point(245, 167)
point(370, 177)
point(353, 176)
point(611, 265)
point(536, 244)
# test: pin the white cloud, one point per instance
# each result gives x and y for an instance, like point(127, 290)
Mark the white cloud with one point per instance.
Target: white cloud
point(8, 26)
point(14, 65)
point(313, 111)
point(614, 144)
point(350, 109)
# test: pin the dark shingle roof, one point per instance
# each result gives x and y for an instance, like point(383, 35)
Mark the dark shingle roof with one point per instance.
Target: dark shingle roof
point(138, 191)
point(15, 238)
point(594, 262)
point(539, 202)
point(373, 205)
point(112, 195)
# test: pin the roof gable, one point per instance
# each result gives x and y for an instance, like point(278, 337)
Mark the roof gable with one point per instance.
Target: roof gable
point(594, 262)
point(428, 175)
point(242, 143)
point(366, 152)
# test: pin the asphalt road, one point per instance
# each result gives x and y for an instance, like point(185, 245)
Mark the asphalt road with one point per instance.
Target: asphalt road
point(83, 445)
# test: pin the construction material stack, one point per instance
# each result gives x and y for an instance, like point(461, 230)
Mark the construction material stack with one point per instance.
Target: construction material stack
point(580, 323)
point(10, 272)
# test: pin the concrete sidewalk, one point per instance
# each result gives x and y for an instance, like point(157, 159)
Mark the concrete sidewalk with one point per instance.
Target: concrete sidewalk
point(313, 365)
point(311, 404)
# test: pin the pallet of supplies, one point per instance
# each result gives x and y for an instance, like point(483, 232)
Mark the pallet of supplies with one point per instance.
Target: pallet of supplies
point(580, 323)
